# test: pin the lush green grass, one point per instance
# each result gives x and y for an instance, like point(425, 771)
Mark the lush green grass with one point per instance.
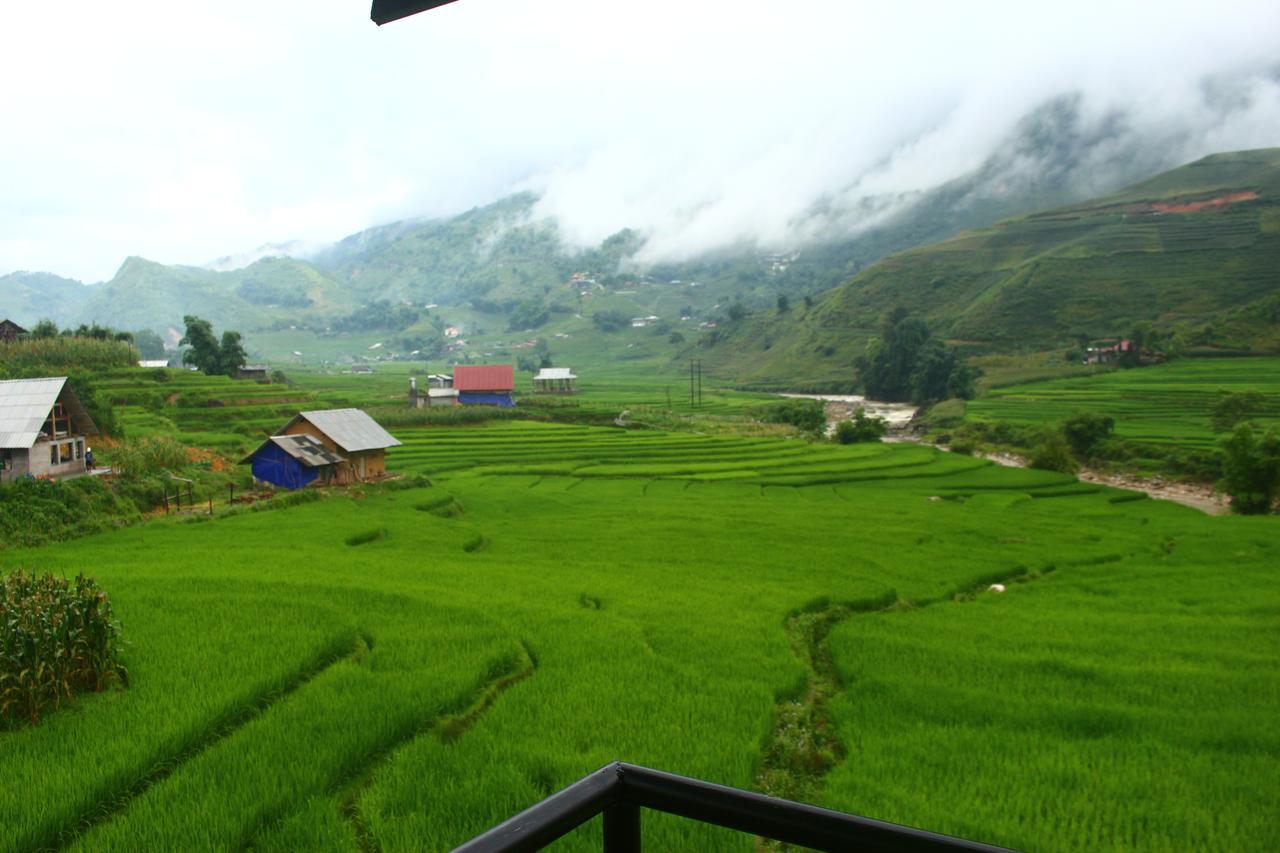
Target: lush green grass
point(1165, 405)
point(413, 666)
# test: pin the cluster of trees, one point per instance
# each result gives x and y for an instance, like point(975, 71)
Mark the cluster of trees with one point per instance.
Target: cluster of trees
point(610, 321)
point(1082, 436)
point(147, 342)
point(381, 314)
point(262, 292)
point(207, 353)
point(540, 358)
point(529, 314)
point(907, 363)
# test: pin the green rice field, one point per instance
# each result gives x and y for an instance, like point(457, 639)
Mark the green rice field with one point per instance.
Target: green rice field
point(401, 668)
point(1168, 404)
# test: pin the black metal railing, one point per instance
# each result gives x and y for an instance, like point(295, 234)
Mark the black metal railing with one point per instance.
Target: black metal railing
point(619, 791)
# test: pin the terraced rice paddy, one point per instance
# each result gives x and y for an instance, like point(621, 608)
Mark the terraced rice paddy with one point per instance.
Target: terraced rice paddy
point(1165, 405)
point(401, 669)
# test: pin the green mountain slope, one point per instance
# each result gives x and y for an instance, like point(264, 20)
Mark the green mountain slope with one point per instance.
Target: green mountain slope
point(1194, 251)
point(26, 297)
point(145, 294)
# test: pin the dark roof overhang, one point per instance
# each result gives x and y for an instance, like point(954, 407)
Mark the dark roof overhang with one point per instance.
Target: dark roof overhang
point(386, 11)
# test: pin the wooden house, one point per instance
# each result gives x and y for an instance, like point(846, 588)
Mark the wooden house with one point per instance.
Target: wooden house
point(485, 384)
point(555, 380)
point(10, 331)
point(256, 372)
point(333, 446)
point(43, 428)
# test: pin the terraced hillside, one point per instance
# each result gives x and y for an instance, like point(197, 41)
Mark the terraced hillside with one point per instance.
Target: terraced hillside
point(1166, 405)
point(1193, 251)
point(400, 668)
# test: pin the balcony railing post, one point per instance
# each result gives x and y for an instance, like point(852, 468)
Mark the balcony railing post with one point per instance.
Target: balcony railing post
point(622, 828)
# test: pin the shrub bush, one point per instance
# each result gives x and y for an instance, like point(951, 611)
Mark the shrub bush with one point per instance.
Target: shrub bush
point(863, 428)
point(1251, 470)
point(57, 638)
point(33, 512)
point(1084, 431)
point(145, 457)
point(804, 415)
point(1053, 453)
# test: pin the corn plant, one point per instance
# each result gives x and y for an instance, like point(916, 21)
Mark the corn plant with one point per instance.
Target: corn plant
point(57, 638)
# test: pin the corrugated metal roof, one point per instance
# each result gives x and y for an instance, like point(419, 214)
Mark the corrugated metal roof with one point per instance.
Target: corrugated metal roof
point(350, 429)
point(307, 449)
point(24, 407)
point(484, 377)
point(554, 373)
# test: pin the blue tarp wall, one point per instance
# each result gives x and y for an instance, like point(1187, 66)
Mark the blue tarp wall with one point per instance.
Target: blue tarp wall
point(275, 466)
point(469, 398)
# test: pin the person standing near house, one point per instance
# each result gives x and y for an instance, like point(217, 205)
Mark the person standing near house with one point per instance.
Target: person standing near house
point(88, 458)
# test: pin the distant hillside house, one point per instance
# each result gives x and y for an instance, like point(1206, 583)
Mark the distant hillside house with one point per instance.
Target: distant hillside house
point(256, 372)
point(333, 446)
point(1108, 354)
point(555, 380)
point(154, 362)
point(42, 429)
point(452, 331)
point(9, 331)
point(485, 384)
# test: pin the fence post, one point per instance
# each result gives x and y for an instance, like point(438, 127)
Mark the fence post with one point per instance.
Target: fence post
point(622, 828)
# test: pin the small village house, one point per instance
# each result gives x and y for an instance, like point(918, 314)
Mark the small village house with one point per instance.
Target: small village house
point(43, 428)
point(10, 331)
point(1107, 354)
point(437, 392)
point(485, 384)
point(333, 446)
point(256, 372)
point(555, 380)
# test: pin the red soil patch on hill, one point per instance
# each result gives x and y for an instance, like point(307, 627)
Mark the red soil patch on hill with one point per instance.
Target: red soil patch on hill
point(1196, 206)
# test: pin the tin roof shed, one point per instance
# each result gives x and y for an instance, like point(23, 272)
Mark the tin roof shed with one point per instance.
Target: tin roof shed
point(305, 448)
point(554, 373)
point(350, 429)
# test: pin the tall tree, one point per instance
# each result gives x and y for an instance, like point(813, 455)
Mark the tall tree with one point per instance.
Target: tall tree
point(231, 355)
point(205, 351)
point(1251, 470)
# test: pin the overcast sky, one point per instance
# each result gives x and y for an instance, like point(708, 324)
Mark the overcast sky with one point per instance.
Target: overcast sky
point(186, 131)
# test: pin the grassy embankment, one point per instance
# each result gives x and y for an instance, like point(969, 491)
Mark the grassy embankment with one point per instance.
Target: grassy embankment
point(406, 668)
point(1163, 414)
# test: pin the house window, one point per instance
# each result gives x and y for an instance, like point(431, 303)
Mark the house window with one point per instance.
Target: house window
point(80, 448)
point(53, 454)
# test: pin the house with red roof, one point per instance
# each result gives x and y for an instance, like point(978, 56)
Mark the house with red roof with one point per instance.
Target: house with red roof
point(484, 384)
